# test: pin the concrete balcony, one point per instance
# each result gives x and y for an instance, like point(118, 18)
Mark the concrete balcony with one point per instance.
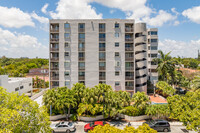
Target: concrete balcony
point(128, 58)
point(129, 49)
point(54, 59)
point(102, 68)
point(129, 68)
point(102, 59)
point(81, 49)
point(81, 68)
point(102, 39)
point(54, 68)
point(81, 30)
point(102, 30)
point(54, 30)
point(129, 29)
point(129, 87)
point(55, 78)
point(128, 40)
point(54, 39)
point(81, 77)
point(54, 49)
point(102, 77)
point(81, 58)
point(102, 49)
point(129, 78)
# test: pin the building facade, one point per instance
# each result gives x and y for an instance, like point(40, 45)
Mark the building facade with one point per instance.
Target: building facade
point(93, 51)
point(20, 85)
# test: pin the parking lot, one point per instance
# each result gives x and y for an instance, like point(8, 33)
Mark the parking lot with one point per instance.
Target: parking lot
point(175, 128)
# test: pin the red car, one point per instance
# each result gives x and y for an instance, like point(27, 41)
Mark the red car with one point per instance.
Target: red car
point(90, 126)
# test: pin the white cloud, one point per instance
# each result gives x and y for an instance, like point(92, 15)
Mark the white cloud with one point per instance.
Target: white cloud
point(161, 18)
point(39, 18)
point(14, 17)
point(176, 23)
point(174, 11)
point(72, 9)
point(44, 8)
point(112, 11)
point(20, 45)
point(193, 14)
point(180, 48)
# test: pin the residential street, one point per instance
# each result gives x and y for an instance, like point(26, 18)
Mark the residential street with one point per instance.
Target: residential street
point(175, 127)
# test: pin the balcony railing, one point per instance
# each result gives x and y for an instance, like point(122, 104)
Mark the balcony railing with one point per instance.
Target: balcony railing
point(55, 78)
point(81, 49)
point(54, 30)
point(54, 68)
point(102, 68)
point(129, 68)
point(81, 68)
point(102, 59)
point(81, 40)
point(102, 49)
point(102, 39)
point(54, 59)
point(81, 58)
point(129, 29)
point(54, 86)
point(102, 29)
point(128, 58)
point(102, 77)
point(54, 49)
point(129, 77)
point(81, 77)
point(54, 39)
point(128, 48)
point(81, 30)
point(129, 39)
point(129, 87)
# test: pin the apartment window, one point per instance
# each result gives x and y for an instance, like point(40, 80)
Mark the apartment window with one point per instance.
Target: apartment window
point(66, 54)
point(67, 35)
point(102, 74)
point(129, 64)
point(102, 45)
point(117, 63)
point(102, 27)
point(129, 74)
point(102, 64)
point(81, 26)
point(81, 36)
point(81, 45)
point(21, 87)
point(153, 55)
point(152, 33)
point(102, 82)
point(16, 89)
point(81, 73)
point(66, 45)
point(81, 64)
point(116, 54)
point(116, 44)
point(102, 55)
point(67, 64)
point(117, 83)
point(66, 73)
point(154, 40)
point(67, 25)
point(154, 48)
point(67, 83)
point(102, 35)
point(117, 35)
point(153, 63)
point(116, 25)
point(116, 73)
point(128, 36)
point(80, 54)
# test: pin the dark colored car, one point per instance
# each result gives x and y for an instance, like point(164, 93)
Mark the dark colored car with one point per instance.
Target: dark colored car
point(90, 126)
point(159, 125)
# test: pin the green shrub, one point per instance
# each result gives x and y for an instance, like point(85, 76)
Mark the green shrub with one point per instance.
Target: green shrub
point(73, 117)
point(132, 111)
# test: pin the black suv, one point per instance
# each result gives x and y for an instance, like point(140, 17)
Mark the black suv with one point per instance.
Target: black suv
point(159, 125)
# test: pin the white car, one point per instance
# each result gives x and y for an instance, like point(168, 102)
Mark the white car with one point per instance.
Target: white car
point(63, 127)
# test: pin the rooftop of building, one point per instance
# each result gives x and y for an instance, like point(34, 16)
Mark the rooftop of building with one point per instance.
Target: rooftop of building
point(157, 99)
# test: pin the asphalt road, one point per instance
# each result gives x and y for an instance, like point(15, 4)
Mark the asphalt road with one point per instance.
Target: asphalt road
point(174, 128)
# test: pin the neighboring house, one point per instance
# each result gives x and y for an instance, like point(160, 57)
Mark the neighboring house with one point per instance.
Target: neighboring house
point(118, 52)
point(39, 72)
point(21, 85)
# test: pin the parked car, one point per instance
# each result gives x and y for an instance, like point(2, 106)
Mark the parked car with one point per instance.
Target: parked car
point(63, 127)
point(91, 125)
point(159, 125)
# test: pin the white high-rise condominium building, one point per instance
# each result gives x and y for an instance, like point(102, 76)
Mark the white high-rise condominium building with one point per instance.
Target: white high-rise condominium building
point(93, 51)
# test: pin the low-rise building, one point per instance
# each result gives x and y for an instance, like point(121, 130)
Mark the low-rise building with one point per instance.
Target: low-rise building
point(18, 84)
point(39, 72)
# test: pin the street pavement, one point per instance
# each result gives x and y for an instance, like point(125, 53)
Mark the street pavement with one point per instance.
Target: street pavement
point(175, 127)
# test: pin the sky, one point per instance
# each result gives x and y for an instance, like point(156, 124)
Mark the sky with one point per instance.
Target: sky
point(24, 23)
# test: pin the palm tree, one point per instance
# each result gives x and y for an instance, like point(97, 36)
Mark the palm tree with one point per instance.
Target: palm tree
point(195, 84)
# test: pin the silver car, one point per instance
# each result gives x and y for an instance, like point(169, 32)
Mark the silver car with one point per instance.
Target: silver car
point(63, 127)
